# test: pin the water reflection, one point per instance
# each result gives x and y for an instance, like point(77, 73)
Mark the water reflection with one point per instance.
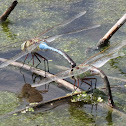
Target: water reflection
point(114, 64)
point(80, 114)
point(31, 94)
point(89, 114)
point(6, 30)
point(109, 118)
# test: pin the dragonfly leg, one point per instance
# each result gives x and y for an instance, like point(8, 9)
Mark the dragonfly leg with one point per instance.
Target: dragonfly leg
point(84, 80)
point(38, 60)
point(24, 63)
point(47, 87)
point(44, 59)
point(33, 58)
point(34, 77)
point(22, 67)
point(74, 83)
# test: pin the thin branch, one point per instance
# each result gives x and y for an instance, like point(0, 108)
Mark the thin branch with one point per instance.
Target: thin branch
point(105, 40)
point(4, 16)
point(42, 73)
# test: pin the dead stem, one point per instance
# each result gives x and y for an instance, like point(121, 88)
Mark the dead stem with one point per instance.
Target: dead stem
point(4, 16)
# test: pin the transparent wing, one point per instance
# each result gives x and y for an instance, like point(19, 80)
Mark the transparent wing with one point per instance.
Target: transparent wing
point(97, 62)
point(50, 39)
point(62, 75)
point(18, 56)
point(111, 50)
point(48, 30)
point(64, 23)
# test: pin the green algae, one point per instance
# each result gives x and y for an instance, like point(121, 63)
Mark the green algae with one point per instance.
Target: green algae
point(70, 115)
point(8, 102)
point(93, 98)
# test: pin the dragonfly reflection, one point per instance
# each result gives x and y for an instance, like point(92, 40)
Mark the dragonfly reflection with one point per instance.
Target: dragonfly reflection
point(31, 94)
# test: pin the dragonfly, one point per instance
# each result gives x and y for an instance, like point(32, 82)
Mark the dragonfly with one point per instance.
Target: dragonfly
point(86, 68)
point(35, 44)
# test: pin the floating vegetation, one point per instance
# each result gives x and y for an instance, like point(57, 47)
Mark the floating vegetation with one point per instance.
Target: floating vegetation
point(93, 98)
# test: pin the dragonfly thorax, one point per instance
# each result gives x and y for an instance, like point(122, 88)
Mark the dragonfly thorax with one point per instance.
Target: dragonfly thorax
point(28, 43)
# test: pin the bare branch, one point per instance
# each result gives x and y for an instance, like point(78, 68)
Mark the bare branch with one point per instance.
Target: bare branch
point(105, 40)
point(42, 73)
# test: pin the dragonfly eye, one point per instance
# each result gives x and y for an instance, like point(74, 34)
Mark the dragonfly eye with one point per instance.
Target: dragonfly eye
point(23, 46)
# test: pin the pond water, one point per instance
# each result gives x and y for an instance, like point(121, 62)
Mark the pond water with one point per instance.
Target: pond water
point(32, 17)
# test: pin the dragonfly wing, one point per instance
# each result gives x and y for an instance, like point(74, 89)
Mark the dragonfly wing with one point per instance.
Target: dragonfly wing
point(52, 38)
point(73, 18)
point(18, 56)
point(64, 23)
point(62, 75)
point(98, 62)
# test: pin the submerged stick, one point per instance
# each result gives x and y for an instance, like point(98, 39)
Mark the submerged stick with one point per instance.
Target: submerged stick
point(4, 16)
point(42, 73)
point(47, 105)
point(105, 40)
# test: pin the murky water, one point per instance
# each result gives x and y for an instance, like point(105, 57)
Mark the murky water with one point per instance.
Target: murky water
point(29, 19)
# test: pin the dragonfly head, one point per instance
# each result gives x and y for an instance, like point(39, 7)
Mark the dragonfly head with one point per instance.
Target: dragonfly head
point(23, 46)
point(26, 44)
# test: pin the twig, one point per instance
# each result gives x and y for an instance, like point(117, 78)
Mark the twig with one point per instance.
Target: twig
point(105, 40)
point(4, 16)
point(42, 73)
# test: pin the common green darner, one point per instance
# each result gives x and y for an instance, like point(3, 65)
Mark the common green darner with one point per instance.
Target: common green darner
point(96, 61)
point(36, 44)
